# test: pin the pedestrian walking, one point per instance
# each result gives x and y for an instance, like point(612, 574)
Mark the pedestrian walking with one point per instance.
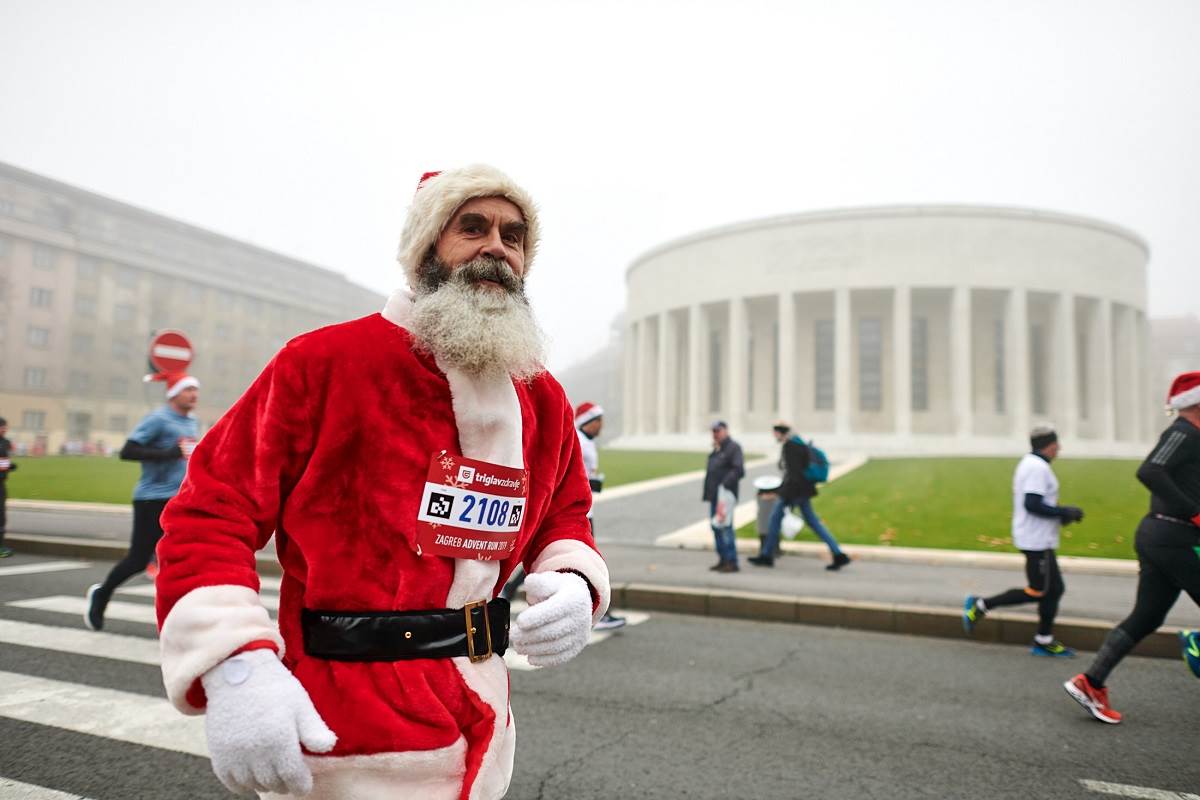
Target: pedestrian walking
point(6, 466)
point(162, 441)
point(726, 468)
point(1036, 521)
point(1168, 549)
point(796, 492)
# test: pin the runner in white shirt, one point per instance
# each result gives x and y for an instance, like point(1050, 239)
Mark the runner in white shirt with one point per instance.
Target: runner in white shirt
point(589, 419)
point(1037, 518)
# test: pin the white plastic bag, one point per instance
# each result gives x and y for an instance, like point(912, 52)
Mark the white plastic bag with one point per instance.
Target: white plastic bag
point(723, 517)
point(793, 523)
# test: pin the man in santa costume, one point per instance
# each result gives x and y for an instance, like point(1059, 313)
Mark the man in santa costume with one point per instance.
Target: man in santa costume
point(406, 463)
point(1168, 550)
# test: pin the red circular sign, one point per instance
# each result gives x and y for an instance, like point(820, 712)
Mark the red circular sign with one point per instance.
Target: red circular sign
point(170, 351)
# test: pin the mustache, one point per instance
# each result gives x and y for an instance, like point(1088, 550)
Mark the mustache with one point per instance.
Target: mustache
point(487, 268)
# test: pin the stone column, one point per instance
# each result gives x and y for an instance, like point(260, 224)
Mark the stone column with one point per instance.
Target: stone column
point(629, 393)
point(842, 379)
point(961, 368)
point(785, 366)
point(697, 345)
point(1016, 370)
point(736, 380)
point(1106, 377)
point(666, 363)
point(902, 360)
point(646, 382)
point(1066, 369)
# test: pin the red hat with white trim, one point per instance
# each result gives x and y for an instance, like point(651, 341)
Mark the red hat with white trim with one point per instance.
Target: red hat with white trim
point(439, 195)
point(176, 381)
point(1185, 391)
point(586, 412)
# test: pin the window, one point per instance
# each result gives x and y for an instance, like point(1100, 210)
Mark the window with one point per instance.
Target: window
point(5, 246)
point(6, 206)
point(195, 293)
point(40, 298)
point(35, 377)
point(33, 420)
point(920, 364)
point(1037, 368)
point(44, 257)
point(823, 383)
point(121, 348)
point(118, 387)
point(87, 267)
point(714, 371)
point(870, 364)
point(82, 343)
point(37, 337)
point(127, 277)
point(998, 361)
point(85, 305)
point(79, 381)
point(123, 312)
point(223, 332)
point(118, 422)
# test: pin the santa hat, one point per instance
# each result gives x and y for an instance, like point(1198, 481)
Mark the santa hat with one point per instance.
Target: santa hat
point(1185, 391)
point(586, 412)
point(176, 382)
point(439, 195)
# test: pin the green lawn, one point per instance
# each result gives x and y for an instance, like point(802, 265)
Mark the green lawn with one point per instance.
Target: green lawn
point(92, 479)
point(108, 480)
point(966, 504)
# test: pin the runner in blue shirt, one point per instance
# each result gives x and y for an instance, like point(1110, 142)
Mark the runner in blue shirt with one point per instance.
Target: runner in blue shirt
point(163, 441)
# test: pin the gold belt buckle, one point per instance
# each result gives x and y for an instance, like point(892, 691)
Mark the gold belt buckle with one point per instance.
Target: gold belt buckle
point(487, 627)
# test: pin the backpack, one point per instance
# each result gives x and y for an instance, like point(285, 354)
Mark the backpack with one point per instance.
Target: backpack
point(817, 470)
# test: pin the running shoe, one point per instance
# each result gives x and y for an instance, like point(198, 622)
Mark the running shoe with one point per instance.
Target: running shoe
point(1055, 649)
point(5, 552)
point(152, 570)
point(1189, 642)
point(93, 614)
point(971, 614)
point(1095, 701)
point(839, 561)
point(609, 623)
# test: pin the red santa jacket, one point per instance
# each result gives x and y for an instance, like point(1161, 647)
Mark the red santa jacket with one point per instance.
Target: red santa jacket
point(328, 450)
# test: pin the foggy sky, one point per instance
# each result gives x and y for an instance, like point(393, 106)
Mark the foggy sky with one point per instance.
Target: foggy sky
point(303, 126)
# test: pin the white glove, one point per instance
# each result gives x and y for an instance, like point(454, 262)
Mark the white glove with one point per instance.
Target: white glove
point(558, 621)
point(258, 716)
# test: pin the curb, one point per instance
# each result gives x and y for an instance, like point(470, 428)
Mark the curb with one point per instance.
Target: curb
point(909, 620)
point(69, 506)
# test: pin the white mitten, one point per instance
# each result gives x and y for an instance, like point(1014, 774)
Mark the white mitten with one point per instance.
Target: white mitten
point(258, 716)
point(558, 621)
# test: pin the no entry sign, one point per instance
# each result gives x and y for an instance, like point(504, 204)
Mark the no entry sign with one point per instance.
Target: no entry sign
point(170, 352)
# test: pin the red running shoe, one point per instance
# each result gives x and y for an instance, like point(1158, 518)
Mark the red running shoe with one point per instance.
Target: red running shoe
point(152, 570)
point(1094, 700)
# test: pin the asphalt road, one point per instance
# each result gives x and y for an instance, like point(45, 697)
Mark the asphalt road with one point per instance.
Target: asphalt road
point(675, 707)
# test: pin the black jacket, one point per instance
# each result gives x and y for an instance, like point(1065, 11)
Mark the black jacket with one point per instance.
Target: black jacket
point(5, 451)
point(793, 460)
point(1172, 471)
point(725, 468)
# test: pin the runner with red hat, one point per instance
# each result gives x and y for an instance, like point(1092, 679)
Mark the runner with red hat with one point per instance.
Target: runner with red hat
point(1168, 549)
point(163, 442)
point(589, 419)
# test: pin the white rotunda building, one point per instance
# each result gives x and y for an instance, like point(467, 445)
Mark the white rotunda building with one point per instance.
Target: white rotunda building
point(906, 330)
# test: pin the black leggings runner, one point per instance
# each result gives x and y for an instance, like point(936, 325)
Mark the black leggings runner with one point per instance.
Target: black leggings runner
point(1045, 587)
point(1169, 563)
point(146, 532)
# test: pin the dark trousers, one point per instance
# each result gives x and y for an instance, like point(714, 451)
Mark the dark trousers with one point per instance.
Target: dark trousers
point(1168, 564)
point(146, 532)
point(3, 510)
point(1045, 587)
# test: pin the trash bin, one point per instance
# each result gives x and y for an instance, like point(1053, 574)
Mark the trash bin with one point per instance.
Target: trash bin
point(766, 488)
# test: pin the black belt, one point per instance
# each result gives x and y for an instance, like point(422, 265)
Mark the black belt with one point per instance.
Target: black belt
point(476, 631)
point(1176, 520)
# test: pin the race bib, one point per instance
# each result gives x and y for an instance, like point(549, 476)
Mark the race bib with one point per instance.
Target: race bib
point(4, 464)
point(470, 508)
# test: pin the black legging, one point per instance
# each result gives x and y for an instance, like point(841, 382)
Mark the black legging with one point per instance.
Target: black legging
point(1045, 587)
point(3, 510)
point(1168, 564)
point(146, 532)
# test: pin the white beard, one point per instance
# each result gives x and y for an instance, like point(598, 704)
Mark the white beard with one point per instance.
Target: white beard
point(479, 329)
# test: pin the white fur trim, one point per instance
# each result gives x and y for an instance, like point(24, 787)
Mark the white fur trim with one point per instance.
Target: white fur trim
point(427, 774)
point(1186, 399)
point(440, 196)
point(186, 382)
point(575, 555)
point(203, 629)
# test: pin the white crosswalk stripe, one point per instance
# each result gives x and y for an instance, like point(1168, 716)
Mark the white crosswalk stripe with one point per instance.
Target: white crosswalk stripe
point(15, 790)
point(80, 641)
point(42, 567)
point(75, 605)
